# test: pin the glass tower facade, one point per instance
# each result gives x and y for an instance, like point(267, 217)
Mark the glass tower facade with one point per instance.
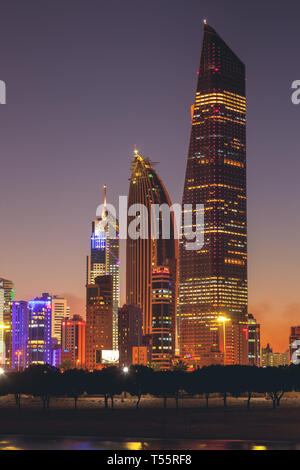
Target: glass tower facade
point(104, 258)
point(213, 280)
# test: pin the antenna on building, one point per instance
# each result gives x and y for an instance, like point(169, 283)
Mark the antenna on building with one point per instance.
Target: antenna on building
point(104, 201)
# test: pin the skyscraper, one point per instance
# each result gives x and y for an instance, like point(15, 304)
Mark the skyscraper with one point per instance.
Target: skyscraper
point(39, 330)
point(104, 257)
point(130, 332)
point(60, 311)
point(20, 317)
point(6, 319)
point(73, 341)
point(163, 325)
point(99, 313)
point(213, 280)
point(147, 252)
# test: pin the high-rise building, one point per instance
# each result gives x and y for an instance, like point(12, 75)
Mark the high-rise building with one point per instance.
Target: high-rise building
point(273, 359)
point(163, 321)
point(99, 313)
point(7, 288)
point(130, 332)
point(213, 278)
point(39, 330)
point(60, 311)
point(104, 257)
point(73, 341)
point(146, 252)
point(20, 317)
point(253, 341)
point(294, 345)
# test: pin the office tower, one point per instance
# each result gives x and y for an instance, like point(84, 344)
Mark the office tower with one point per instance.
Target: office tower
point(130, 320)
point(73, 341)
point(253, 341)
point(20, 316)
point(163, 325)
point(6, 320)
point(104, 257)
point(294, 345)
point(39, 331)
point(60, 310)
point(213, 278)
point(273, 359)
point(146, 253)
point(99, 312)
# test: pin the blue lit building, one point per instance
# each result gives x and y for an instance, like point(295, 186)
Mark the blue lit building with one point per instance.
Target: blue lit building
point(39, 330)
point(104, 258)
point(20, 316)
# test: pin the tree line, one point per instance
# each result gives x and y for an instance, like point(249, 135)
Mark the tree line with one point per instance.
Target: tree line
point(47, 382)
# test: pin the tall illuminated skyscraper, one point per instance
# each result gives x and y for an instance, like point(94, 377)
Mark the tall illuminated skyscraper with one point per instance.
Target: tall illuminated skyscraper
point(104, 258)
point(213, 280)
point(147, 253)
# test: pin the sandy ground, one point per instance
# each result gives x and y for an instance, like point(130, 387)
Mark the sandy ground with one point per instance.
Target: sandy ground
point(192, 420)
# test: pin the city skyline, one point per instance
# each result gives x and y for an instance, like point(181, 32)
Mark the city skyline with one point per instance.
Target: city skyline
point(271, 297)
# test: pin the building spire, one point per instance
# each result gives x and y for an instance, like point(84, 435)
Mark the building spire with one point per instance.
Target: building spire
point(104, 201)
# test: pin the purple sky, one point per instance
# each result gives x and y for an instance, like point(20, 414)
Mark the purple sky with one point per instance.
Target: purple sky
point(86, 80)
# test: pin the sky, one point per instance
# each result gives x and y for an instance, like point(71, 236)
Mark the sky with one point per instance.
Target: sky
point(87, 80)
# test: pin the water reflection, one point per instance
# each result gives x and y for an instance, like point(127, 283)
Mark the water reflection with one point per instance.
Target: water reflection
point(92, 443)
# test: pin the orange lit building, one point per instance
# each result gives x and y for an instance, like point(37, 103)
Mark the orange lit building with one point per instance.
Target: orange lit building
point(213, 279)
point(73, 341)
point(146, 253)
point(99, 320)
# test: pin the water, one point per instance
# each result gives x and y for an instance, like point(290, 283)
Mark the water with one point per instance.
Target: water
point(15, 442)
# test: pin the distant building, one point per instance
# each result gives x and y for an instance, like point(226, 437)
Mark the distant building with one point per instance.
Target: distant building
point(130, 324)
point(7, 288)
point(99, 319)
point(294, 345)
point(39, 330)
point(104, 257)
point(234, 334)
point(273, 359)
point(73, 341)
point(20, 318)
point(60, 310)
point(253, 341)
point(163, 317)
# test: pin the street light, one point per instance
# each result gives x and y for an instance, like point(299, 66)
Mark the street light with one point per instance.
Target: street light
point(223, 320)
